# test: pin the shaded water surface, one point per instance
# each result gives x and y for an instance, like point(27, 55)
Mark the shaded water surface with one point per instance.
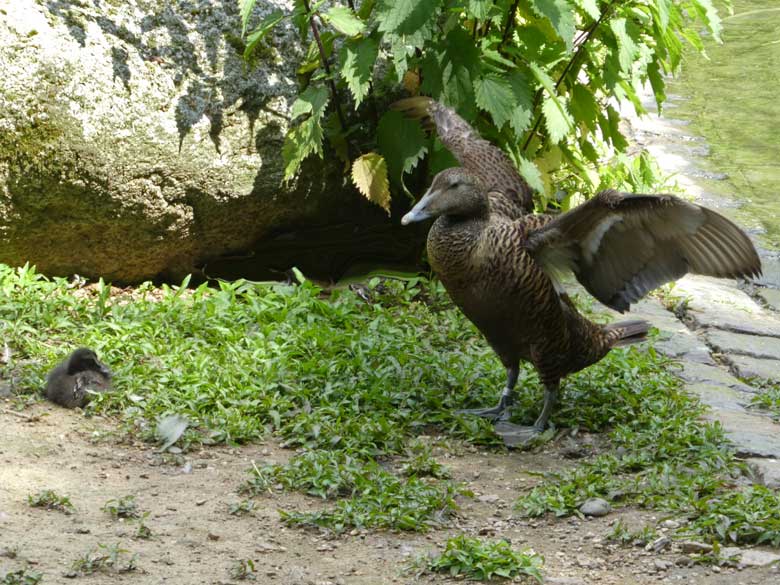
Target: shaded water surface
point(733, 101)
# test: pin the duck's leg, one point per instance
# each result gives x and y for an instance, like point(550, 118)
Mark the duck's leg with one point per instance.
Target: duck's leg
point(517, 435)
point(507, 398)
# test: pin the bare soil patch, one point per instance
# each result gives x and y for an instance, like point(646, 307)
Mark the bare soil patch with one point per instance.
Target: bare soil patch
point(195, 539)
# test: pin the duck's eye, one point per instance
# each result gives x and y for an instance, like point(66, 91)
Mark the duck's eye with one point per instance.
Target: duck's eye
point(455, 185)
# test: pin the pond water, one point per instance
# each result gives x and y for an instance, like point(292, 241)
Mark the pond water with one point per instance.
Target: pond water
point(732, 99)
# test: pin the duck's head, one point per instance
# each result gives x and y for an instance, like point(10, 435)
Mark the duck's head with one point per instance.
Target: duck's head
point(454, 192)
point(83, 360)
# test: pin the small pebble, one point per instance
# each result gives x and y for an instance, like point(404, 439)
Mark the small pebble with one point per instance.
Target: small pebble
point(595, 507)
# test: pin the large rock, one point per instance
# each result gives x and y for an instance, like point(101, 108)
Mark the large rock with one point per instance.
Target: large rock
point(135, 143)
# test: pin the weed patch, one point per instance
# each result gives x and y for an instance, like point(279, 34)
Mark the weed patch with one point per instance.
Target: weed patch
point(104, 559)
point(22, 577)
point(50, 500)
point(370, 496)
point(480, 560)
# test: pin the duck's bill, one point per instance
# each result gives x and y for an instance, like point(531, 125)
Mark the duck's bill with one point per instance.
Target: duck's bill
point(103, 369)
point(420, 211)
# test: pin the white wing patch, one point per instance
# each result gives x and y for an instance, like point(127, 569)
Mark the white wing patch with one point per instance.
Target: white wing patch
point(590, 244)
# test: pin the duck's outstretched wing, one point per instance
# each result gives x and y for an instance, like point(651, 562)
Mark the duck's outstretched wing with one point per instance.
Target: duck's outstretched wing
point(622, 246)
point(477, 155)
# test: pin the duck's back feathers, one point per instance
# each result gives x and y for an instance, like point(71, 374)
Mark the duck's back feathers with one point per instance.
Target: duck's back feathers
point(483, 159)
point(620, 247)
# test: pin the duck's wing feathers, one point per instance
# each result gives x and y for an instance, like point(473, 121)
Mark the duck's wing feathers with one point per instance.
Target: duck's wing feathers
point(622, 246)
point(474, 153)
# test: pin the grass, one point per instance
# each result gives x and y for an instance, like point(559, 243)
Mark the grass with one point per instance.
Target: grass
point(664, 457)
point(366, 494)
point(480, 560)
point(768, 399)
point(50, 500)
point(352, 384)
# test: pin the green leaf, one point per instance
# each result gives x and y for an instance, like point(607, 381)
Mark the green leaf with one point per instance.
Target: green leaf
point(344, 20)
point(522, 92)
point(402, 143)
point(369, 174)
point(257, 35)
point(494, 95)
point(627, 48)
point(557, 119)
point(299, 143)
point(357, 64)
point(404, 17)
point(531, 174)
point(245, 7)
point(312, 101)
point(543, 78)
point(591, 8)
point(584, 106)
point(560, 14)
point(480, 9)
point(709, 15)
point(657, 83)
point(558, 122)
point(306, 138)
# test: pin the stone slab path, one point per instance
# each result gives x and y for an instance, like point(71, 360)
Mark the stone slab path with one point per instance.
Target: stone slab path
point(726, 340)
point(727, 346)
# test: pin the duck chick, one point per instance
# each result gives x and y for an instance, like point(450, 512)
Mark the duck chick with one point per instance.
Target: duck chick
point(501, 273)
point(72, 382)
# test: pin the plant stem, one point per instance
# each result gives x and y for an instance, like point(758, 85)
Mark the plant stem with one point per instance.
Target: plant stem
point(580, 48)
point(510, 21)
point(325, 65)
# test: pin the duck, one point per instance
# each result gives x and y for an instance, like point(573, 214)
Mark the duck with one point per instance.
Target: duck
point(74, 380)
point(504, 272)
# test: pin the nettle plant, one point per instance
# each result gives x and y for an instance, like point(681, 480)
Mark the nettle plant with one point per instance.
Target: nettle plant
point(544, 79)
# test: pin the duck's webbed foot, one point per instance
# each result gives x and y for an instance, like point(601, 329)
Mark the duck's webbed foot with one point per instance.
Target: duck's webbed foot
point(517, 435)
point(496, 412)
point(501, 410)
point(521, 436)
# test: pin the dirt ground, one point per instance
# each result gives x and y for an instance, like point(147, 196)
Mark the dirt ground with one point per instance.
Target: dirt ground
point(196, 541)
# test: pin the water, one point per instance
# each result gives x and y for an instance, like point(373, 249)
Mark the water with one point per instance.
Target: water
point(733, 101)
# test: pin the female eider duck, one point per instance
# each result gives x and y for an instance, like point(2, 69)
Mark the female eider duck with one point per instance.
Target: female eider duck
point(500, 269)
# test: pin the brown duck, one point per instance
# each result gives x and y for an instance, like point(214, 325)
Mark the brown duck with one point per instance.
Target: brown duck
point(501, 272)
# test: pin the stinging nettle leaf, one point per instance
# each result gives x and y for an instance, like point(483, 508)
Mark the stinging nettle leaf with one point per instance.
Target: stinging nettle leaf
point(245, 8)
point(522, 92)
point(531, 174)
point(257, 35)
point(627, 47)
point(480, 8)
point(494, 95)
point(405, 17)
point(369, 174)
point(557, 119)
point(311, 101)
point(344, 20)
point(591, 8)
point(402, 143)
point(357, 64)
point(560, 14)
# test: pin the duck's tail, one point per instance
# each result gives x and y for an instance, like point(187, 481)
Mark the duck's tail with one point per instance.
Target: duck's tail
point(626, 332)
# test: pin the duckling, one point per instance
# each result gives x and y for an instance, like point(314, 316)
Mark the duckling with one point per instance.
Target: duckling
point(72, 382)
point(503, 273)
point(508, 192)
